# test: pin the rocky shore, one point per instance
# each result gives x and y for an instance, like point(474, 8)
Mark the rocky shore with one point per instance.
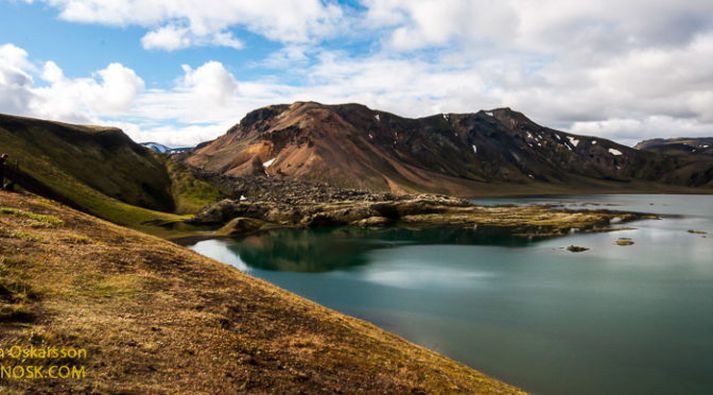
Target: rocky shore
point(319, 206)
point(285, 191)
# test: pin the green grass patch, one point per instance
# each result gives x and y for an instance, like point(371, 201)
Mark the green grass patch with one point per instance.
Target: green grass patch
point(74, 238)
point(189, 193)
point(114, 286)
point(18, 234)
point(36, 220)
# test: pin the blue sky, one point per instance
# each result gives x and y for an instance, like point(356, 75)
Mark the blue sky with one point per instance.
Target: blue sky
point(82, 48)
point(183, 72)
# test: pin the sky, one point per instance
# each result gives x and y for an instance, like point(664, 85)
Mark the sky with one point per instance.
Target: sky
point(183, 72)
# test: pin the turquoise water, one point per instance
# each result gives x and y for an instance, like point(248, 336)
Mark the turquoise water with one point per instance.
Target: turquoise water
point(635, 320)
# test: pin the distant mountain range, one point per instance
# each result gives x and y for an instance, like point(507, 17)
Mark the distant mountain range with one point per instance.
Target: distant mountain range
point(496, 151)
point(162, 149)
point(690, 146)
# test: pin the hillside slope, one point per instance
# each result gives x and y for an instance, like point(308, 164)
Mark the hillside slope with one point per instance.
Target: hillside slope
point(157, 318)
point(100, 170)
point(677, 146)
point(351, 145)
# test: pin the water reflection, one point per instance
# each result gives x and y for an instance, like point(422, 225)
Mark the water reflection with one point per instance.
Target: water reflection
point(320, 250)
point(635, 319)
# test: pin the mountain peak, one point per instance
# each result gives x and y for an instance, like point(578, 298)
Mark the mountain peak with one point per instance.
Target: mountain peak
point(351, 145)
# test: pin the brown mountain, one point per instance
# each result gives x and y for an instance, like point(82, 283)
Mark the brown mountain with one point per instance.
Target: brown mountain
point(694, 146)
point(498, 151)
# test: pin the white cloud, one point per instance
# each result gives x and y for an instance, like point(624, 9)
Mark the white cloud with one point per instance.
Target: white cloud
point(207, 22)
point(546, 25)
point(109, 91)
point(424, 23)
point(625, 70)
point(630, 131)
point(115, 96)
point(15, 80)
point(207, 99)
point(210, 81)
point(170, 38)
point(288, 56)
point(52, 73)
point(13, 58)
point(182, 135)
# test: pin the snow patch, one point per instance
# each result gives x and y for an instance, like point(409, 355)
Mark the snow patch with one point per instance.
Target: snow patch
point(445, 116)
point(594, 142)
point(529, 135)
point(243, 198)
point(160, 148)
point(475, 149)
point(615, 152)
point(377, 117)
point(371, 136)
point(557, 136)
point(489, 113)
point(705, 146)
point(268, 163)
point(573, 140)
point(531, 176)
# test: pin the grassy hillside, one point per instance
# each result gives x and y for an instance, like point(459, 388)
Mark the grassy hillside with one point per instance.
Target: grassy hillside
point(157, 318)
point(101, 171)
point(189, 193)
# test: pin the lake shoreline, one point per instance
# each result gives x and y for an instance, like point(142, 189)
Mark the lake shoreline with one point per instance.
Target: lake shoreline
point(135, 300)
point(241, 217)
point(515, 308)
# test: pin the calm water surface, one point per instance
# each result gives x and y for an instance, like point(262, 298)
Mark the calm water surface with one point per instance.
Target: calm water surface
point(635, 320)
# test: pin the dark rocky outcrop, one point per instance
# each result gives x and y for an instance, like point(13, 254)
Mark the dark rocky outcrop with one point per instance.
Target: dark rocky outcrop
point(239, 217)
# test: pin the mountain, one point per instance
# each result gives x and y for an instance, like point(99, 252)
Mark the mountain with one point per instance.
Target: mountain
point(162, 149)
point(156, 147)
point(99, 170)
point(695, 146)
point(497, 151)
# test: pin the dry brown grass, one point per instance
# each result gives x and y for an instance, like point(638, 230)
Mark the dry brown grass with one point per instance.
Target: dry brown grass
point(158, 318)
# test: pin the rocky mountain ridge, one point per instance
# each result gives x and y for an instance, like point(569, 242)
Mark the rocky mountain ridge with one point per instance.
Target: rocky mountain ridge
point(350, 145)
point(674, 146)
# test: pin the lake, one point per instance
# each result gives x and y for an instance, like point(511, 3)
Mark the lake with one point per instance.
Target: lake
point(635, 319)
